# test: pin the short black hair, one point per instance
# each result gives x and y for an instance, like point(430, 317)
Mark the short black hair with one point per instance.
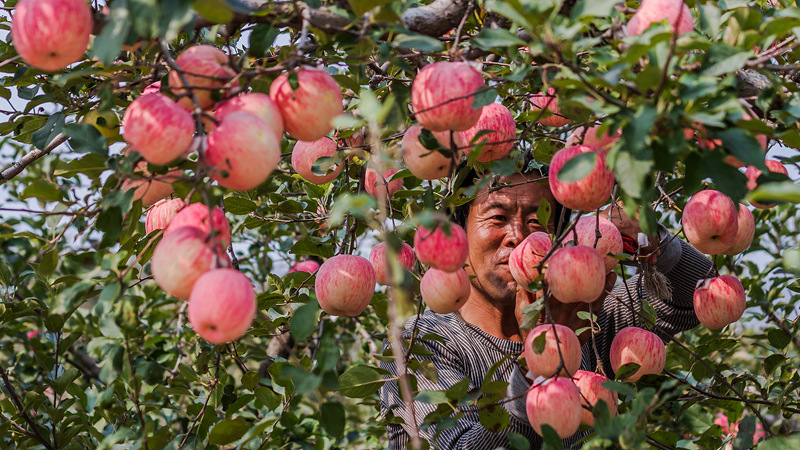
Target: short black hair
point(471, 177)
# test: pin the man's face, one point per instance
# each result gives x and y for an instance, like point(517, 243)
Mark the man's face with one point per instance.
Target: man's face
point(496, 224)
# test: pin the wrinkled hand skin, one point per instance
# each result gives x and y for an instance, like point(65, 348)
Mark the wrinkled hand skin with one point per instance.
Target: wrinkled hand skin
point(630, 227)
point(563, 313)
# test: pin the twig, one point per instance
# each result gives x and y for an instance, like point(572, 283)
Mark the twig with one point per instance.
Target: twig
point(21, 408)
point(18, 166)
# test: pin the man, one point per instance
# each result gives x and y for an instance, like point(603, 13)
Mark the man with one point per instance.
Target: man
point(487, 328)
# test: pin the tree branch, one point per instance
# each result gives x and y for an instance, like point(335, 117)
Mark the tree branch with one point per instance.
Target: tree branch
point(18, 166)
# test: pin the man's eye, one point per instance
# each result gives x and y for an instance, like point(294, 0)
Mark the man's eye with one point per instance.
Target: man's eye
point(499, 218)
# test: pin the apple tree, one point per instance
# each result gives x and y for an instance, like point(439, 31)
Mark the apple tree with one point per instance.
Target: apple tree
point(190, 190)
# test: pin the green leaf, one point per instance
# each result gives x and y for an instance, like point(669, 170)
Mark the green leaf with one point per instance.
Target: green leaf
point(494, 417)
point(416, 41)
point(304, 321)
point(215, 11)
point(239, 205)
point(649, 314)
point(744, 437)
point(518, 441)
point(432, 397)
point(361, 6)
point(312, 246)
point(303, 380)
point(261, 39)
point(626, 371)
point(360, 381)
point(85, 138)
point(543, 213)
point(791, 260)
point(484, 96)
point(593, 8)
point(493, 38)
point(776, 192)
point(269, 398)
point(778, 338)
point(578, 167)
point(539, 343)
point(49, 261)
point(43, 190)
point(332, 417)
point(228, 431)
point(729, 64)
point(550, 438)
point(52, 127)
point(107, 45)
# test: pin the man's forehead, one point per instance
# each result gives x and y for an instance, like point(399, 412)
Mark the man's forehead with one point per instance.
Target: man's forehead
point(514, 188)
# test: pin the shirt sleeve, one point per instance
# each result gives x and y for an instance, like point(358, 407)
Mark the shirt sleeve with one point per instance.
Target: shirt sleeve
point(682, 266)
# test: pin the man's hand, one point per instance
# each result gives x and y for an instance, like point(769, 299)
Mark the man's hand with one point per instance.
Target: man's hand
point(629, 227)
point(563, 313)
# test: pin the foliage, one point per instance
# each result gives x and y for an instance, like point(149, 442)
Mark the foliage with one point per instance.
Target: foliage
point(95, 355)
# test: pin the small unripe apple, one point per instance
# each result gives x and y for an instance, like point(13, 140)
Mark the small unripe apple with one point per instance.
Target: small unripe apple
point(428, 164)
point(199, 216)
point(445, 292)
point(256, 103)
point(636, 345)
point(157, 128)
point(150, 188)
point(206, 69)
point(378, 255)
point(373, 183)
point(181, 257)
point(556, 403)
point(549, 102)
point(591, 138)
point(222, 305)
point(442, 250)
point(161, 214)
point(106, 122)
point(497, 117)
point(710, 222)
point(588, 193)
point(442, 96)
point(307, 111)
point(308, 265)
point(546, 363)
point(243, 151)
point(752, 173)
point(719, 301)
point(344, 285)
point(651, 11)
point(576, 274)
point(305, 154)
point(51, 34)
point(610, 240)
point(590, 385)
point(745, 231)
point(525, 258)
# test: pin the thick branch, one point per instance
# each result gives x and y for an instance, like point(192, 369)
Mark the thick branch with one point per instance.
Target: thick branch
point(438, 17)
point(18, 166)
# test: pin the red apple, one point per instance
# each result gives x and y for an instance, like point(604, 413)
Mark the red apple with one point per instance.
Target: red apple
point(442, 250)
point(592, 138)
point(51, 34)
point(719, 301)
point(150, 188)
point(152, 88)
point(651, 11)
point(344, 285)
point(745, 231)
point(372, 182)
point(590, 385)
point(588, 193)
point(199, 216)
point(243, 151)
point(377, 257)
point(610, 241)
point(442, 96)
point(428, 164)
point(181, 257)
point(525, 258)
point(576, 274)
point(157, 128)
point(308, 265)
point(557, 403)
point(710, 222)
point(548, 102)
point(495, 117)
point(161, 213)
point(206, 69)
point(636, 345)
point(308, 110)
point(222, 305)
point(752, 173)
point(256, 103)
point(445, 292)
point(305, 154)
point(546, 364)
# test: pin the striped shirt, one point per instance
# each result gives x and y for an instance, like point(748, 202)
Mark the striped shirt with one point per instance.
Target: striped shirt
point(468, 353)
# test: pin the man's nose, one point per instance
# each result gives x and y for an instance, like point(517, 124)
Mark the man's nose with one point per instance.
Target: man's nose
point(515, 233)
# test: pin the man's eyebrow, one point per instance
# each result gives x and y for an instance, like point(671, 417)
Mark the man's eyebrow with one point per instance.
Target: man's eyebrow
point(486, 206)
